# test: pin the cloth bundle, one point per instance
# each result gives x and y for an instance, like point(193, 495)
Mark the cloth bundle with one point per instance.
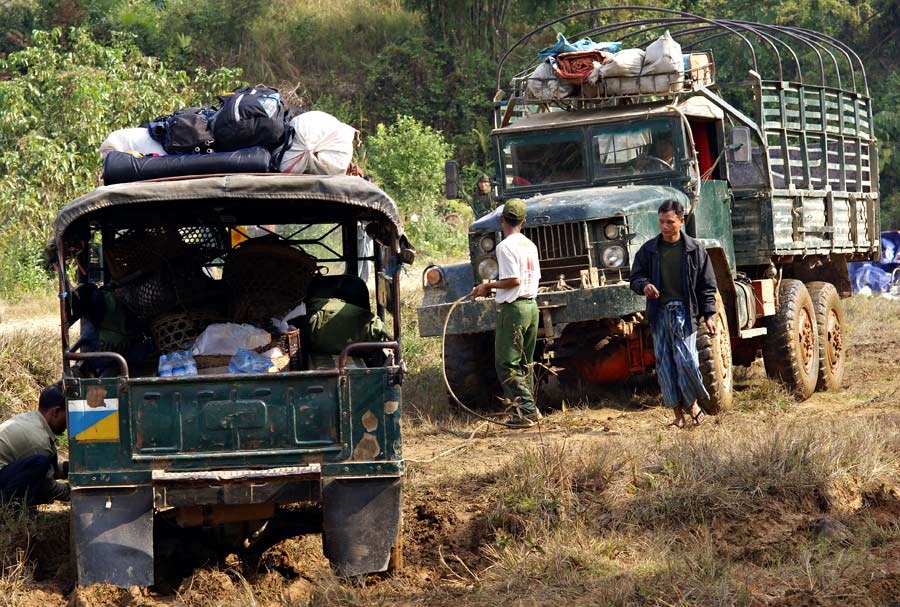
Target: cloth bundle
point(575, 68)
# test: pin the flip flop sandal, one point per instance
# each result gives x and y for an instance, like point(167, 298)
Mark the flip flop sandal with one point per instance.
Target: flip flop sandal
point(699, 417)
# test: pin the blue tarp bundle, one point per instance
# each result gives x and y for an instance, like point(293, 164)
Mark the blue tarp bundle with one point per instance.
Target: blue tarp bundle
point(877, 276)
point(585, 44)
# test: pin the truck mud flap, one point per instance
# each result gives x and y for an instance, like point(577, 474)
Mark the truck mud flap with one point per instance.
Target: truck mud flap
point(361, 519)
point(112, 533)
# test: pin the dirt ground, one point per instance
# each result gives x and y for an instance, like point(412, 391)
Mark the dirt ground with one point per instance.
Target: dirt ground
point(771, 547)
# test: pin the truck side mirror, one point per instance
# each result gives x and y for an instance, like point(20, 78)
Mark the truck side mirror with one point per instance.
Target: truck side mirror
point(740, 145)
point(451, 180)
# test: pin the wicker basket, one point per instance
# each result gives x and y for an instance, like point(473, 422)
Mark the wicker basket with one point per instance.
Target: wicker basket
point(266, 279)
point(177, 330)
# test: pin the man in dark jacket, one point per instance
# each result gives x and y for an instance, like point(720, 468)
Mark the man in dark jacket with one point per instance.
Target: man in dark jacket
point(674, 272)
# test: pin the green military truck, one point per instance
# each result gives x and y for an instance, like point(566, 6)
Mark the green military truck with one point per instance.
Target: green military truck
point(218, 456)
point(777, 169)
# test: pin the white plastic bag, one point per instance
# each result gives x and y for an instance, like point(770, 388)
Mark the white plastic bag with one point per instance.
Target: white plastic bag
point(322, 145)
point(544, 85)
point(131, 140)
point(227, 338)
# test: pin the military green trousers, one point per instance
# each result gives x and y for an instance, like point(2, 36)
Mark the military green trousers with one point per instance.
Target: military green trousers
point(514, 341)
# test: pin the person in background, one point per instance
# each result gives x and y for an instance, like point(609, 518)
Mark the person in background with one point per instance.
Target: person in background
point(29, 465)
point(517, 319)
point(482, 201)
point(674, 272)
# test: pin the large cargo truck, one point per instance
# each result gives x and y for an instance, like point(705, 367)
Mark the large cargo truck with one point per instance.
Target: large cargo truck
point(777, 169)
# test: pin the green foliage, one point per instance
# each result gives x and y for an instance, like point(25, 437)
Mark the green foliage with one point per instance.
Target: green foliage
point(407, 160)
point(65, 94)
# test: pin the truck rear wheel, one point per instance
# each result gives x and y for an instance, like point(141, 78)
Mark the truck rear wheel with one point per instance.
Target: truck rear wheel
point(830, 324)
point(469, 364)
point(716, 369)
point(791, 345)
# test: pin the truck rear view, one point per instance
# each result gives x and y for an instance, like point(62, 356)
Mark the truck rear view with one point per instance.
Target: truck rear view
point(306, 411)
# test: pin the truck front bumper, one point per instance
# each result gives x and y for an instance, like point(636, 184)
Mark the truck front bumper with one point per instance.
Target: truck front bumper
point(579, 305)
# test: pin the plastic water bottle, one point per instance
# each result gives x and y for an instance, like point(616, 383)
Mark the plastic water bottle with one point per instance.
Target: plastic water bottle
point(165, 366)
point(177, 364)
point(190, 365)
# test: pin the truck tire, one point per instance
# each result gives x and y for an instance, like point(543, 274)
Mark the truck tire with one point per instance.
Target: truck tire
point(469, 364)
point(716, 368)
point(791, 345)
point(830, 324)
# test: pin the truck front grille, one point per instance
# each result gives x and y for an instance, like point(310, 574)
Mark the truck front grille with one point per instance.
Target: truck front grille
point(562, 250)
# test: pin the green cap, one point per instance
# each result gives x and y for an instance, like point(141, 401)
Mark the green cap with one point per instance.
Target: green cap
point(514, 209)
point(483, 178)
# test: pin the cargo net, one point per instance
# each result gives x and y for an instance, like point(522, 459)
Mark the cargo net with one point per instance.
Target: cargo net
point(145, 250)
point(172, 287)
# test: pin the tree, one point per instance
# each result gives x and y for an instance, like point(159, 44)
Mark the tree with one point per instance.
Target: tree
point(63, 96)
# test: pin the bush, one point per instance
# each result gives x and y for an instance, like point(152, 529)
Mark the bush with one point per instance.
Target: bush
point(65, 94)
point(407, 160)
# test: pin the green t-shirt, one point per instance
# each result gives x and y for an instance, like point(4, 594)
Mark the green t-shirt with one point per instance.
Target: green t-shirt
point(670, 256)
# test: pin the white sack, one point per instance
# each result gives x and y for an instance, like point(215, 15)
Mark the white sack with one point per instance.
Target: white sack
point(224, 339)
point(322, 145)
point(623, 63)
point(662, 84)
point(544, 85)
point(663, 56)
point(131, 140)
point(663, 70)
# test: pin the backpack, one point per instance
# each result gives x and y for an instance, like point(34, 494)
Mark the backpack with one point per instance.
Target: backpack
point(189, 131)
point(251, 116)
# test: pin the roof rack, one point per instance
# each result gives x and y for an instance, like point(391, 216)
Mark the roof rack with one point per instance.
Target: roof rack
point(785, 54)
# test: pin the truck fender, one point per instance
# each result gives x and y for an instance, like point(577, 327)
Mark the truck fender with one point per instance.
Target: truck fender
point(724, 281)
point(457, 280)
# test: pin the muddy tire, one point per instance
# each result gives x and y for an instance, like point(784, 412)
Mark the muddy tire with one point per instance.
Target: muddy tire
point(830, 324)
point(469, 363)
point(791, 346)
point(716, 368)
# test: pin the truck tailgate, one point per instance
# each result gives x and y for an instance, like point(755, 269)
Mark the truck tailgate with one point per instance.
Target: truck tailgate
point(237, 417)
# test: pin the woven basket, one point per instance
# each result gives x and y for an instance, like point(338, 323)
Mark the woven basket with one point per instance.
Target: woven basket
point(266, 279)
point(176, 331)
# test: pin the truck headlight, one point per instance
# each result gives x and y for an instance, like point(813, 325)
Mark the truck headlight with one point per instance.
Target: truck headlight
point(614, 256)
point(434, 276)
point(611, 231)
point(486, 244)
point(488, 269)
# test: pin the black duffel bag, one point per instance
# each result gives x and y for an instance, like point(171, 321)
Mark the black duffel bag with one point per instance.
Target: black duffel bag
point(251, 116)
point(187, 131)
point(120, 167)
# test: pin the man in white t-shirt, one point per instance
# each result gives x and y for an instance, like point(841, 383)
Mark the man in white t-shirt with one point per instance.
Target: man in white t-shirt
point(517, 319)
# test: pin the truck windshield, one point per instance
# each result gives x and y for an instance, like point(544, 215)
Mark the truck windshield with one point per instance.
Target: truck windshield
point(634, 149)
point(543, 158)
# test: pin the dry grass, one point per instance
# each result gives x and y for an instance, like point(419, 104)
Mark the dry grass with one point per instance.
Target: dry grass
point(29, 360)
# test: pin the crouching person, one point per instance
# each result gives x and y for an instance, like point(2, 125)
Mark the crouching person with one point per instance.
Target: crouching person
point(29, 464)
